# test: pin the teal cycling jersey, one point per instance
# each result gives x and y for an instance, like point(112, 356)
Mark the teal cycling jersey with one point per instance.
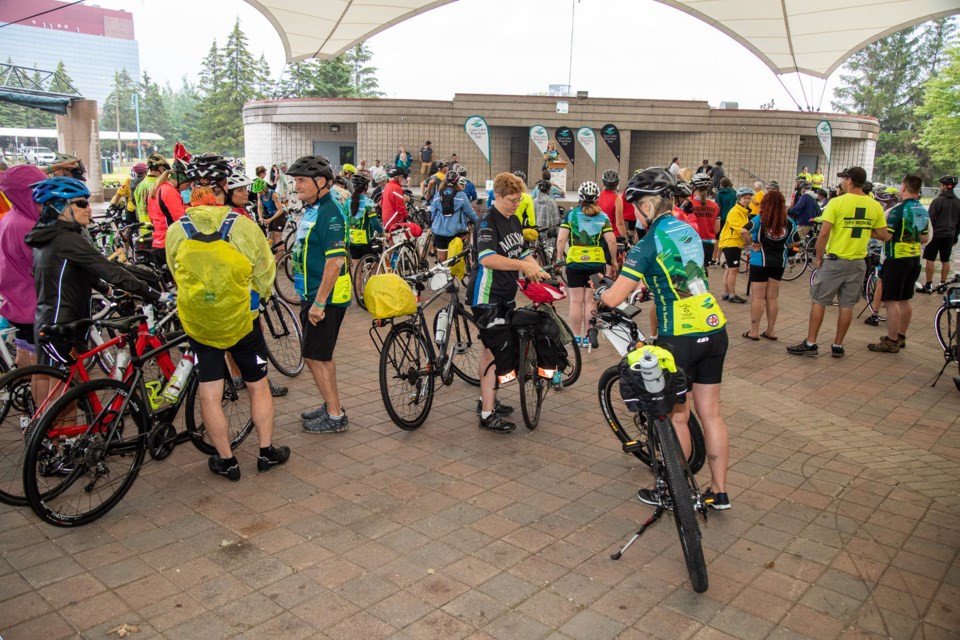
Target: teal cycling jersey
point(586, 239)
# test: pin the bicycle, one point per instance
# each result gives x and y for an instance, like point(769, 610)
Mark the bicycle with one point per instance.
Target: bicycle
point(674, 480)
point(571, 372)
point(947, 325)
point(803, 257)
point(283, 335)
point(399, 256)
point(631, 427)
point(412, 358)
point(95, 436)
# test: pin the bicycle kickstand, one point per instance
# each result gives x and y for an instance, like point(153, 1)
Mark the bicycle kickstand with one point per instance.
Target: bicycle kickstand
point(650, 521)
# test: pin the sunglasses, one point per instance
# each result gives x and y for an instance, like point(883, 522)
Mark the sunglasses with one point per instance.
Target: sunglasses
point(83, 204)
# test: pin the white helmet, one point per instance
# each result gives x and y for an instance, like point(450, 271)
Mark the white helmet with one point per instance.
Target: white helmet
point(237, 179)
point(589, 192)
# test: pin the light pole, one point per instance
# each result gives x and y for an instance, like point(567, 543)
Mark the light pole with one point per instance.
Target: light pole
point(136, 107)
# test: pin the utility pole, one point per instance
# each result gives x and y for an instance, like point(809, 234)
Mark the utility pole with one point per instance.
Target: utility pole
point(116, 102)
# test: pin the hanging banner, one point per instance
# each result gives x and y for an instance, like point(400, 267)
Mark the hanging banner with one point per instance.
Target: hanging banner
point(825, 136)
point(611, 135)
point(588, 140)
point(476, 127)
point(564, 137)
point(540, 137)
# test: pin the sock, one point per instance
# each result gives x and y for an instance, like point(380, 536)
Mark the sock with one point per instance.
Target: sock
point(484, 415)
point(836, 345)
point(228, 462)
point(334, 416)
point(265, 451)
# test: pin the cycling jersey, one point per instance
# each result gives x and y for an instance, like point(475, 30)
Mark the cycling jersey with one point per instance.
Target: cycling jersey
point(773, 248)
point(755, 203)
point(266, 200)
point(165, 207)
point(525, 212)
point(608, 204)
point(669, 259)
point(586, 240)
point(737, 219)
point(365, 224)
point(140, 195)
point(707, 212)
point(629, 213)
point(393, 205)
point(852, 217)
point(904, 222)
point(320, 235)
point(496, 235)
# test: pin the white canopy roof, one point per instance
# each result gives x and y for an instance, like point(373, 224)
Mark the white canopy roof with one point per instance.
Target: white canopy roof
point(52, 133)
point(810, 36)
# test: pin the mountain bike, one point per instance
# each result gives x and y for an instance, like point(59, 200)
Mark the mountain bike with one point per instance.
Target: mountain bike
point(674, 480)
point(412, 357)
point(947, 325)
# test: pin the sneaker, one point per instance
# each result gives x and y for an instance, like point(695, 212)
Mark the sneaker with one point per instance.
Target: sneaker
point(718, 501)
point(902, 341)
point(277, 390)
point(804, 349)
point(327, 424)
point(221, 467)
point(496, 423)
point(836, 350)
point(653, 498)
point(873, 320)
point(499, 409)
point(726, 296)
point(942, 287)
point(886, 345)
point(275, 457)
point(735, 299)
point(925, 288)
point(316, 414)
point(238, 383)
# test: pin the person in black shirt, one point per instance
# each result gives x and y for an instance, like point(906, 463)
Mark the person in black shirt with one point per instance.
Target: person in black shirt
point(501, 255)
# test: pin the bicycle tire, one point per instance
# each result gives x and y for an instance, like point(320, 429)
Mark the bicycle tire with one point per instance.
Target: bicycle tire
point(404, 360)
point(284, 280)
point(236, 409)
point(571, 373)
point(630, 426)
point(744, 260)
point(117, 461)
point(465, 346)
point(940, 322)
point(870, 291)
point(16, 396)
point(796, 265)
point(532, 386)
point(408, 264)
point(679, 485)
point(283, 335)
point(366, 267)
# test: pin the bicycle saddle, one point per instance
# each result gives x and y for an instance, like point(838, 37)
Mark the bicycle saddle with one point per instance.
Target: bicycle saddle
point(66, 328)
point(124, 325)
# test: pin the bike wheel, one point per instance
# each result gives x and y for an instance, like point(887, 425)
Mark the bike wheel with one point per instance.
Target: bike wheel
point(284, 281)
point(532, 385)
point(19, 411)
point(744, 260)
point(85, 453)
point(870, 291)
point(681, 485)
point(796, 265)
point(407, 263)
point(571, 372)
point(284, 336)
point(406, 377)
point(366, 267)
point(464, 346)
point(237, 410)
point(631, 426)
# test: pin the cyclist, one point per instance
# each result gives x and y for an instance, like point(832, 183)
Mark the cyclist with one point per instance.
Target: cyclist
point(669, 259)
point(501, 255)
point(611, 203)
point(238, 192)
point(124, 194)
point(269, 209)
point(546, 209)
point(323, 281)
point(945, 221)
point(731, 242)
point(587, 229)
point(526, 212)
point(219, 292)
point(380, 179)
point(804, 209)
point(156, 165)
point(165, 204)
point(362, 218)
point(393, 204)
point(469, 188)
point(707, 213)
point(451, 212)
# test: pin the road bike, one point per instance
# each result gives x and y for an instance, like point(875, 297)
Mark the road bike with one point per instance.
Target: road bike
point(947, 325)
point(802, 257)
point(412, 357)
point(283, 335)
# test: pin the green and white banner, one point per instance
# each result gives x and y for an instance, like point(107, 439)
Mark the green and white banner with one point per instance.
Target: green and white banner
point(588, 140)
point(540, 137)
point(825, 136)
point(476, 127)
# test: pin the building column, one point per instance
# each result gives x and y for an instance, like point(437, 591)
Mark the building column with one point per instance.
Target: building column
point(78, 133)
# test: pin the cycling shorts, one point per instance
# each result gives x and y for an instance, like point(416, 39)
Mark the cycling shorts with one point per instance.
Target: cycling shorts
point(938, 246)
point(579, 278)
point(764, 274)
point(732, 256)
point(249, 354)
point(700, 357)
point(899, 277)
point(319, 340)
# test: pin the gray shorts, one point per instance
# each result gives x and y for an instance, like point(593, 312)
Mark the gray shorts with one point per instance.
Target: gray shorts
point(840, 279)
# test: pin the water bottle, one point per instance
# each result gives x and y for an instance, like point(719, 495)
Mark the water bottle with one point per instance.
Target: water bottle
point(172, 391)
point(151, 318)
point(651, 373)
point(120, 364)
point(443, 322)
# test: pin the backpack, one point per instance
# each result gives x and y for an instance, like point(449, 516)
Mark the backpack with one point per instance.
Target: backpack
point(447, 197)
point(214, 300)
point(431, 188)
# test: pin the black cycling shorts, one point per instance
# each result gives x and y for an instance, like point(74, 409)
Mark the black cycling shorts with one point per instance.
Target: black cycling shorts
point(763, 274)
point(578, 278)
point(938, 246)
point(249, 354)
point(899, 277)
point(732, 256)
point(442, 242)
point(278, 224)
point(320, 340)
point(700, 357)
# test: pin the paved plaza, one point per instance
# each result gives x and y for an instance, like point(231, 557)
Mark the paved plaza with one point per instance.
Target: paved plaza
point(845, 522)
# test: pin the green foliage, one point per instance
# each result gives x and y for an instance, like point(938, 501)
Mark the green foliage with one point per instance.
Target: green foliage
point(363, 76)
point(346, 76)
point(940, 131)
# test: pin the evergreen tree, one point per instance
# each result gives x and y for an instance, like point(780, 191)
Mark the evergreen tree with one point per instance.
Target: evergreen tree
point(37, 118)
point(364, 76)
point(940, 132)
point(298, 80)
point(62, 82)
point(154, 115)
point(334, 79)
point(121, 97)
point(263, 82)
point(181, 104)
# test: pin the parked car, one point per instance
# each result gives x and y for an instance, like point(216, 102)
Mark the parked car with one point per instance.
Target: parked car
point(38, 155)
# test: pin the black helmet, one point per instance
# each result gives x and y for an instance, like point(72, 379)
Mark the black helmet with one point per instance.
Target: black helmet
point(610, 178)
point(654, 181)
point(867, 187)
point(804, 186)
point(208, 166)
point(395, 172)
point(949, 181)
point(360, 183)
point(682, 190)
point(157, 162)
point(773, 185)
point(521, 175)
point(311, 167)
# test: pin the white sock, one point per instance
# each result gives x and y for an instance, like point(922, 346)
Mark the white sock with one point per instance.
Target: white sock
point(486, 414)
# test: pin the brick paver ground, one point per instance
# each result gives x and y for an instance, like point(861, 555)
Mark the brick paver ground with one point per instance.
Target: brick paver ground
point(845, 522)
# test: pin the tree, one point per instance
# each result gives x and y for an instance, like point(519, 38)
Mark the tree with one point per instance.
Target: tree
point(364, 77)
point(298, 80)
point(120, 98)
point(940, 133)
point(263, 82)
point(154, 115)
point(181, 104)
point(334, 79)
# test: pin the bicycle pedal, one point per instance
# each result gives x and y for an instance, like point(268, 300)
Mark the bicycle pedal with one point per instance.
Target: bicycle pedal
point(632, 447)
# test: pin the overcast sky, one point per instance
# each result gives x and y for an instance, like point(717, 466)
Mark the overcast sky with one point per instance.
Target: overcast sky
point(621, 48)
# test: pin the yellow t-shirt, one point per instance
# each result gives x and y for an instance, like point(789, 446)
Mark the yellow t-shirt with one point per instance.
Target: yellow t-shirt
point(737, 219)
point(525, 212)
point(804, 176)
point(755, 203)
point(853, 218)
point(816, 180)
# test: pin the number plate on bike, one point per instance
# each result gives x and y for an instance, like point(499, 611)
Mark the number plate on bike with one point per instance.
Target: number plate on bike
point(440, 280)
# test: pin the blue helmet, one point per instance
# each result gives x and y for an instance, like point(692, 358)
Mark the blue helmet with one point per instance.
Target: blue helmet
point(745, 191)
point(59, 188)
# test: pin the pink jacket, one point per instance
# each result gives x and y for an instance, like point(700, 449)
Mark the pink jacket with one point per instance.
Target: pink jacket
point(16, 258)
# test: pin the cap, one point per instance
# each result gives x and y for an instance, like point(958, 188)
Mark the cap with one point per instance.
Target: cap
point(857, 174)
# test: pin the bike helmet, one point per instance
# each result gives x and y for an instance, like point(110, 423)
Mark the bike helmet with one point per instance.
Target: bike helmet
point(259, 185)
point(238, 179)
point(653, 181)
point(156, 162)
point(610, 178)
point(208, 166)
point(311, 167)
point(544, 292)
point(683, 190)
point(349, 168)
point(745, 191)
point(140, 168)
point(452, 177)
point(381, 178)
point(392, 172)
point(879, 187)
point(773, 185)
point(462, 170)
point(456, 167)
point(360, 183)
point(701, 181)
point(867, 187)
point(59, 188)
point(521, 175)
point(178, 171)
point(804, 186)
point(462, 181)
point(78, 172)
point(442, 164)
point(949, 181)
point(588, 192)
